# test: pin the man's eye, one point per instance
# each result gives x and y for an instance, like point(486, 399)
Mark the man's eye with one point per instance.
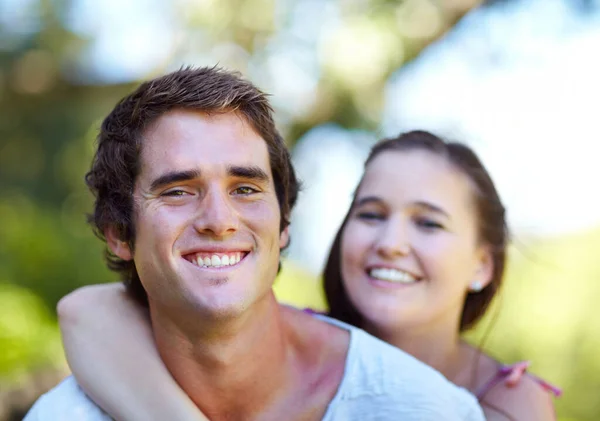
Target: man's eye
point(175, 193)
point(244, 190)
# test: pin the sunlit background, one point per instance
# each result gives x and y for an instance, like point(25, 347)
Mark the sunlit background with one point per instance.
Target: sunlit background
point(518, 80)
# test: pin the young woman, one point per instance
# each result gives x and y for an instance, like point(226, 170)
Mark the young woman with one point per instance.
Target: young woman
point(417, 261)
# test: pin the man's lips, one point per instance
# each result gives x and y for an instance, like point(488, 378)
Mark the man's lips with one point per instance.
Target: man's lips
point(216, 259)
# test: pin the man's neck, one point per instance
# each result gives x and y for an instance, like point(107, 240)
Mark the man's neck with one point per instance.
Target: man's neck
point(227, 368)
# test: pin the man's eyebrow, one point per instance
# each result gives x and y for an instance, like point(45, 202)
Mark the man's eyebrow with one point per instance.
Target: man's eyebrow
point(251, 172)
point(173, 177)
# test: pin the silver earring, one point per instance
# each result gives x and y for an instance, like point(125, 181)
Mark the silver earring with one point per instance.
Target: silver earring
point(475, 286)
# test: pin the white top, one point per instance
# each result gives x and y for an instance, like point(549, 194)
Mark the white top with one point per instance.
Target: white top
point(66, 402)
point(380, 383)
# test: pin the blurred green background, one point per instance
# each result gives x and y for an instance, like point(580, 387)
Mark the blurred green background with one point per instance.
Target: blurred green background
point(64, 64)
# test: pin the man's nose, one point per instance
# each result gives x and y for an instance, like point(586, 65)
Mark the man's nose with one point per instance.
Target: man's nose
point(216, 217)
point(393, 239)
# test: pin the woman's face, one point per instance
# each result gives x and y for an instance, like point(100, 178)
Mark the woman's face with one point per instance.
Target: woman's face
point(410, 246)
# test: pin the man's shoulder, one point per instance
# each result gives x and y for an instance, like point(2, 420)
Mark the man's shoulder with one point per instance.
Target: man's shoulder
point(372, 356)
point(66, 401)
point(383, 374)
point(383, 382)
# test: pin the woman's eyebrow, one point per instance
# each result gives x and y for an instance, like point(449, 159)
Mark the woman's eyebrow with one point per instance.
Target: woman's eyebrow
point(431, 207)
point(367, 199)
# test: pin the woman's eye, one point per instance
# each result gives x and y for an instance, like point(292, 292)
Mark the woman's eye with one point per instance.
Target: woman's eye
point(429, 224)
point(245, 190)
point(370, 216)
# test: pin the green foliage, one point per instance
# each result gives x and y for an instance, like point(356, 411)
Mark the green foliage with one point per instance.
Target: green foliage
point(548, 313)
point(297, 287)
point(49, 251)
point(29, 336)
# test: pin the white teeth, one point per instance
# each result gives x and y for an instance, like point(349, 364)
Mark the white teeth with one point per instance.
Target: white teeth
point(218, 261)
point(391, 275)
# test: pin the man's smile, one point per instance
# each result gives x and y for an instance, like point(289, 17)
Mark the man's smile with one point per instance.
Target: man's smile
point(216, 260)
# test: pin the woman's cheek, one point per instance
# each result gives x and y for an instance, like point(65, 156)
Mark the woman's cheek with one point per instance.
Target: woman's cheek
point(355, 247)
point(350, 242)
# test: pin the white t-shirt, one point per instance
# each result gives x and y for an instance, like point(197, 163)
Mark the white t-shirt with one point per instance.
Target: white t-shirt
point(380, 383)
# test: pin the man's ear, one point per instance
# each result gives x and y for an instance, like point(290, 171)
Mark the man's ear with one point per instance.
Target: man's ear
point(284, 238)
point(119, 247)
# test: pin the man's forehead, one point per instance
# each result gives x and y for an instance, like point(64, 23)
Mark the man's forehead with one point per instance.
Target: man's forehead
point(188, 140)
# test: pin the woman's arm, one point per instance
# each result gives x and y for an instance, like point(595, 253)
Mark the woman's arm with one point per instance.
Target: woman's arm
point(110, 349)
point(526, 400)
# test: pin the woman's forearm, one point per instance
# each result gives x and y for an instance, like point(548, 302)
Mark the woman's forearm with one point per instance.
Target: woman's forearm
point(110, 348)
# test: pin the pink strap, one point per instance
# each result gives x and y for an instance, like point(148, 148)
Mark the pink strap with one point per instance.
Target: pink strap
point(516, 371)
point(311, 311)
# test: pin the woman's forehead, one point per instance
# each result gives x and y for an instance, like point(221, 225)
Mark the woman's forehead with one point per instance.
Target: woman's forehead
point(416, 175)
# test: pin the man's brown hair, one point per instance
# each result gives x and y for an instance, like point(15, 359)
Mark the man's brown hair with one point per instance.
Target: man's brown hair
point(116, 163)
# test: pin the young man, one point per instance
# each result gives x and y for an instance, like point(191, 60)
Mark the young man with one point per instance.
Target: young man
point(194, 189)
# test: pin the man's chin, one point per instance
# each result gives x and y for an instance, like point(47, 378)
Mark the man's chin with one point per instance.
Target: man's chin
point(224, 312)
point(220, 308)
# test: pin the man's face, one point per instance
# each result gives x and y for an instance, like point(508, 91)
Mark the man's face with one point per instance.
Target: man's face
point(206, 215)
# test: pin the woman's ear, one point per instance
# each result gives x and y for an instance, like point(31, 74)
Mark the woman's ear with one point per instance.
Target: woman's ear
point(119, 247)
point(484, 270)
point(284, 238)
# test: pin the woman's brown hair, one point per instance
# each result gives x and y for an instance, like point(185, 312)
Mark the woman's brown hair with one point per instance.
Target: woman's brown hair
point(492, 227)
